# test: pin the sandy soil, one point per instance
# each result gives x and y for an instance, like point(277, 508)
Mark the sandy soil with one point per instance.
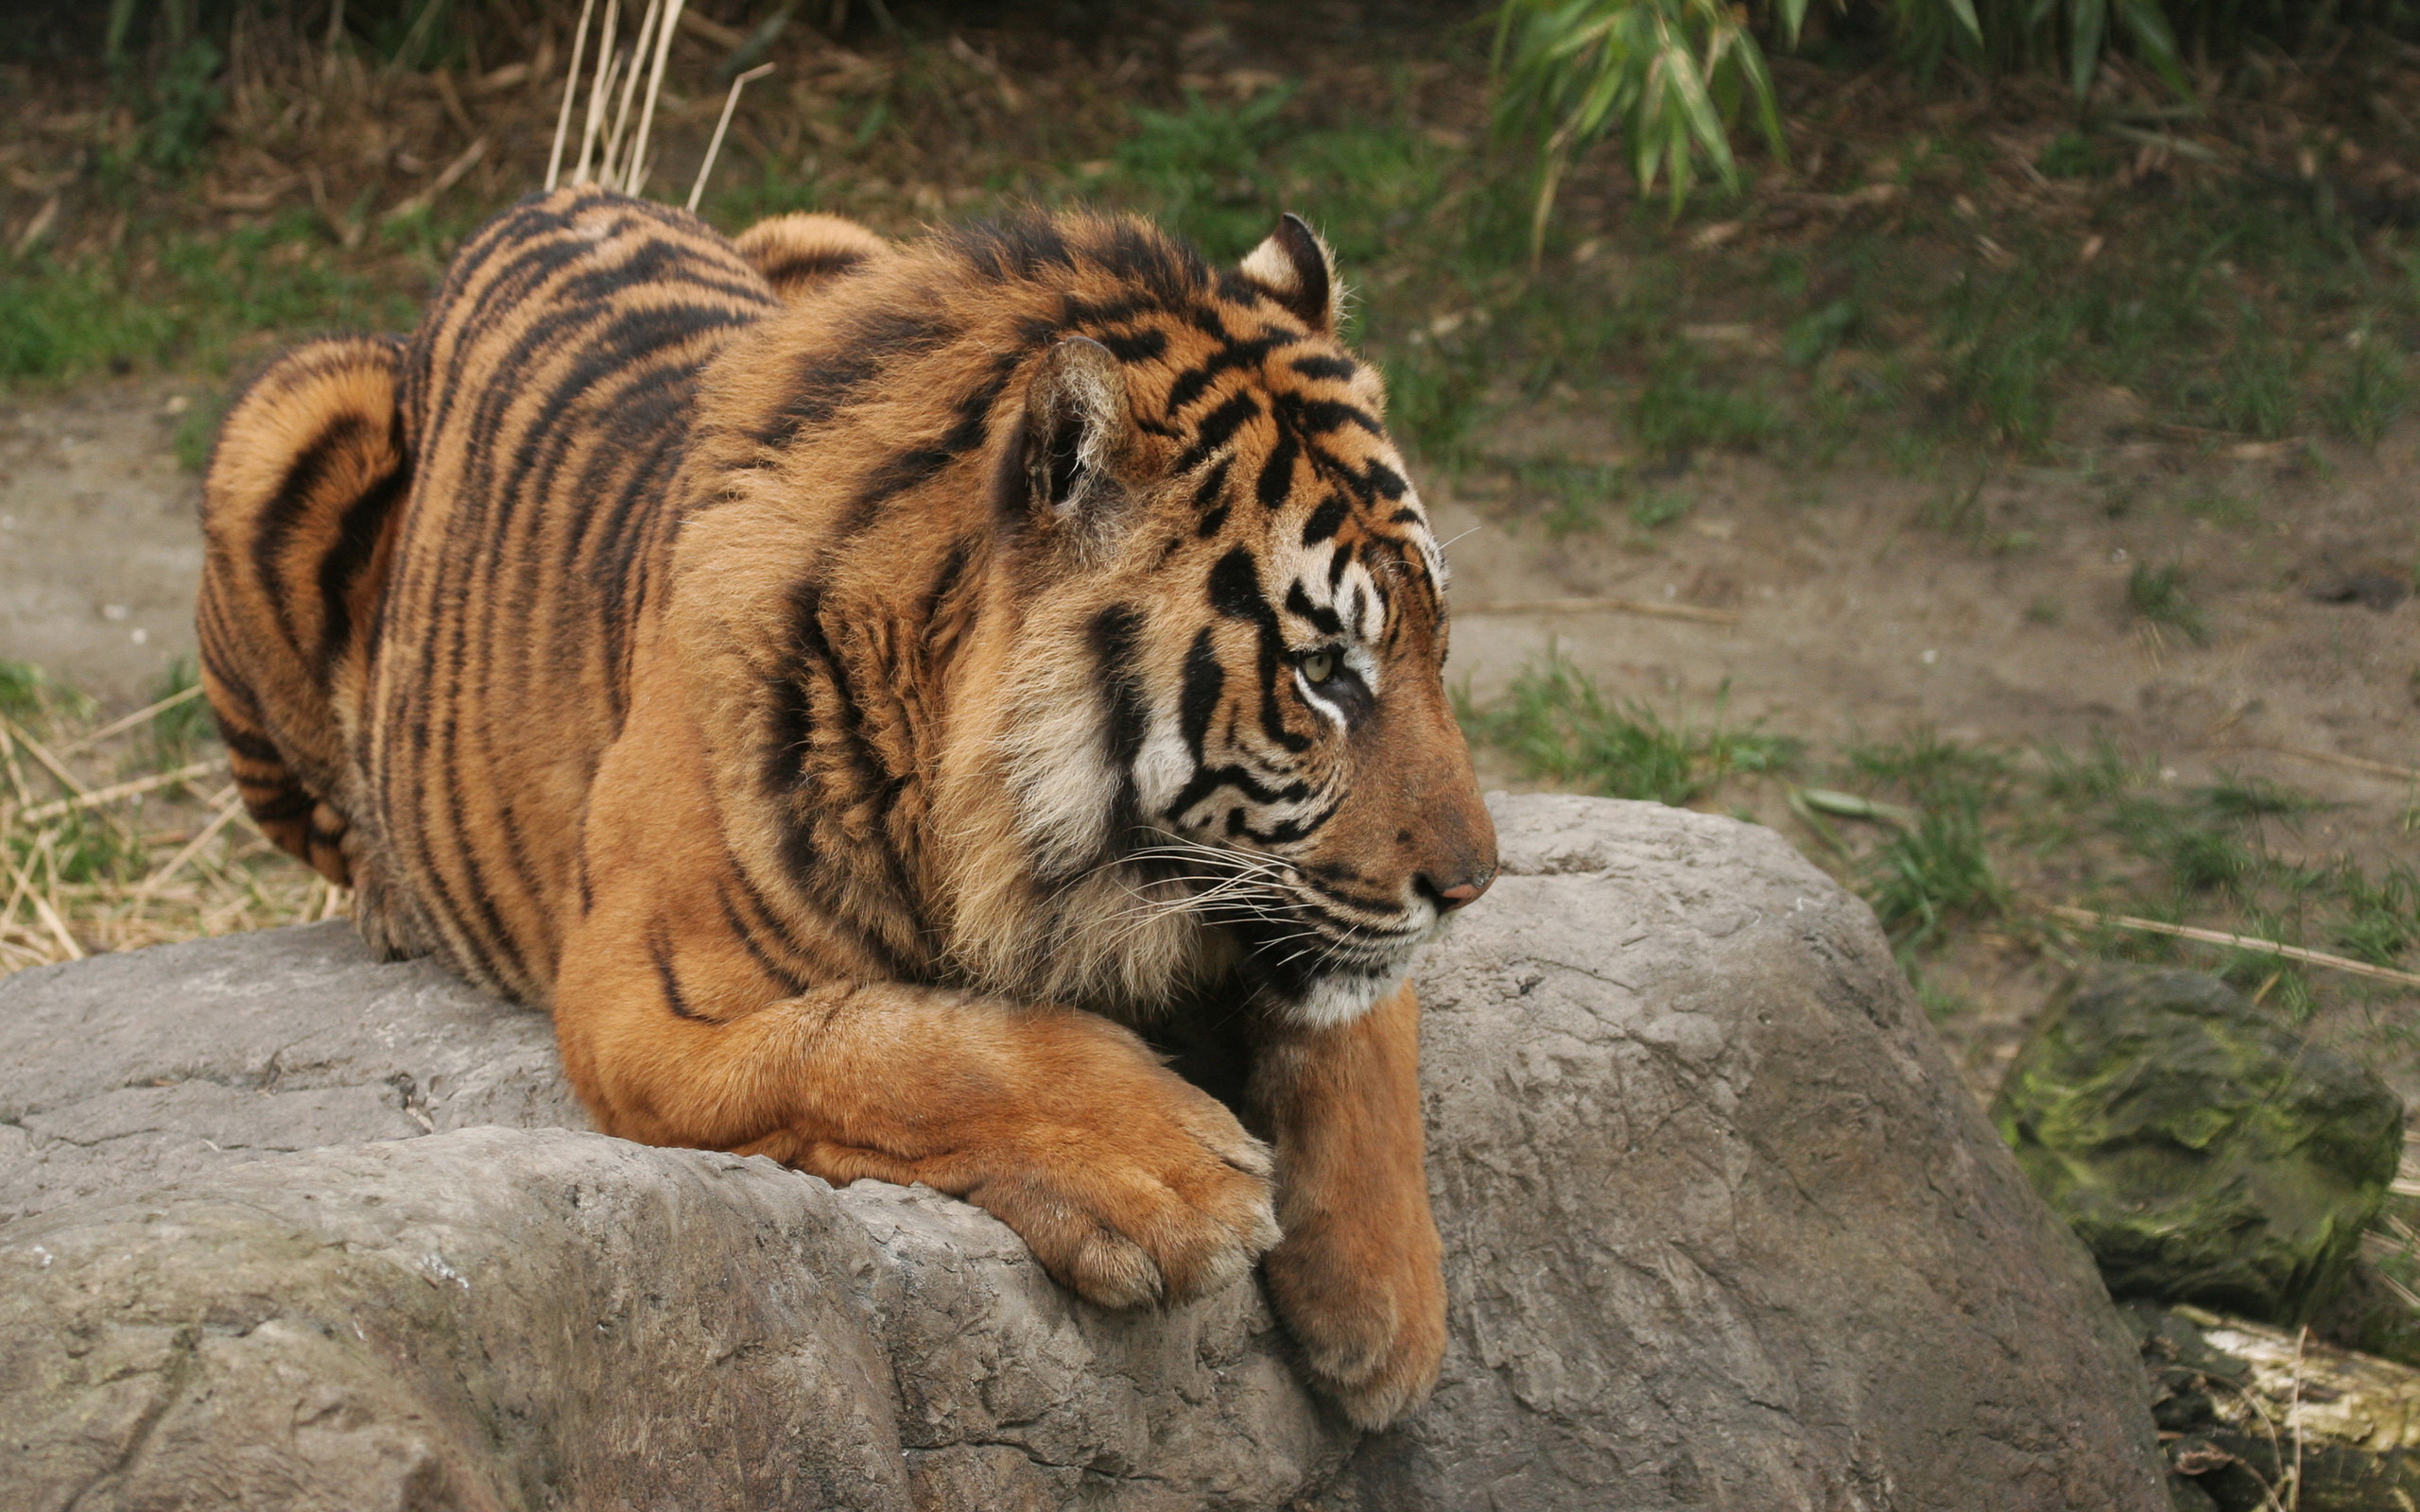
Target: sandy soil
point(1855, 618)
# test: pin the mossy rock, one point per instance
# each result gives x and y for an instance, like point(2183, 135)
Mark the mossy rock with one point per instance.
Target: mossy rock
point(2204, 1153)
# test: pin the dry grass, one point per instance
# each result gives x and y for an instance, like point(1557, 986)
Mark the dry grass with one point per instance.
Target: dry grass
point(127, 832)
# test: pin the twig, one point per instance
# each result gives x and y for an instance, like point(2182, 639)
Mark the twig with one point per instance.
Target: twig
point(49, 915)
point(39, 226)
point(634, 179)
point(447, 179)
point(41, 753)
point(113, 793)
point(610, 171)
point(2294, 1418)
point(192, 847)
point(119, 726)
point(2358, 764)
point(16, 773)
point(571, 92)
point(24, 885)
point(1619, 606)
point(598, 85)
point(730, 102)
point(2246, 942)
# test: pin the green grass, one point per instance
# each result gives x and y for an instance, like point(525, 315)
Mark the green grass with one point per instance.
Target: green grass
point(2369, 391)
point(185, 301)
point(29, 698)
point(2157, 595)
point(1680, 410)
point(1955, 836)
point(1557, 724)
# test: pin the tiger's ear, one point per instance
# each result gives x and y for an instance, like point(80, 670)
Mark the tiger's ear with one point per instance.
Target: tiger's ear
point(1299, 271)
point(1077, 429)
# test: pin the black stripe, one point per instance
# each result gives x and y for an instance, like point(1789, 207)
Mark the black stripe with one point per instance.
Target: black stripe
point(1325, 520)
point(1114, 636)
point(1278, 473)
point(660, 952)
point(1134, 346)
point(798, 267)
point(1216, 429)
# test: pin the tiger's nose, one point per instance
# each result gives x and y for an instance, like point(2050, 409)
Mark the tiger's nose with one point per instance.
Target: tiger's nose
point(1453, 895)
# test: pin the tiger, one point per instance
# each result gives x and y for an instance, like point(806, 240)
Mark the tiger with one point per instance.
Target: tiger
point(966, 710)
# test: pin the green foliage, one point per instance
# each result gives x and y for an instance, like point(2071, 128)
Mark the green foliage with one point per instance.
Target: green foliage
point(1676, 411)
point(29, 696)
point(2382, 918)
point(64, 319)
point(1556, 724)
point(1819, 332)
point(176, 732)
point(85, 846)
point(2158, 593)
point(1933, 873)
point(1669, 77)
point(2254, 392)
point(2369, 391)
point(1656, 510)
point(1935, 869)
point(1572, 493)
point(1200, 169)
point(183, 99)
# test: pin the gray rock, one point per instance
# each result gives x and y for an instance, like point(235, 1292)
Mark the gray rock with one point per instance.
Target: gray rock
point(161, 1065)
point(1721, 1228)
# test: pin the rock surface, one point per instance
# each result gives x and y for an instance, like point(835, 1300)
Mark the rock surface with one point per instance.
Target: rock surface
point(2205, 1152)
point(154, 1066)
point(1722, 1231)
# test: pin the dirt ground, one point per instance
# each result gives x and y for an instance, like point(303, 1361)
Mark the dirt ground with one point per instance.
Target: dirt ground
point(99, 553)
point(1855, 618)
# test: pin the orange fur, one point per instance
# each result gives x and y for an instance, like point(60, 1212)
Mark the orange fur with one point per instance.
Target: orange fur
point(864, 689)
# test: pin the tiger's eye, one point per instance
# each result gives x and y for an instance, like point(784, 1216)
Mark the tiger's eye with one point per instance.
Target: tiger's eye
point(1319, 666)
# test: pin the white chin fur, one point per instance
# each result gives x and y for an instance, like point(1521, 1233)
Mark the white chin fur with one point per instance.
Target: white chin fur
point(1336, 1000)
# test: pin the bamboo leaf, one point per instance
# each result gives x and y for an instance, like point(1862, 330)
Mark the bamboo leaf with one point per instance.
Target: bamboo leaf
point(2086, 22)
point(2147, 24)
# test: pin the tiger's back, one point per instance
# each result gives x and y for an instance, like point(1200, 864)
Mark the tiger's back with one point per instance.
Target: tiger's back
point(470, 568)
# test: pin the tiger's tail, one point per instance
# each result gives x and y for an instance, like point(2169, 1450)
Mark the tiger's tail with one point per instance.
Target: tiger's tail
point(297, 513)
point(799, 254)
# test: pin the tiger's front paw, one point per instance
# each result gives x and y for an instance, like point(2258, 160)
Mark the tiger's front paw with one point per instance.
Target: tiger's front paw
point(1153, 1194)
point(1365, 1298)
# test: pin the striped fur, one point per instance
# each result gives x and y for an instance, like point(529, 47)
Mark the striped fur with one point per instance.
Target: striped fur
point(856, 686)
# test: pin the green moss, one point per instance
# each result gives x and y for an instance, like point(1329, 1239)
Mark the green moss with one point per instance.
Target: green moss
point(2201, 1152)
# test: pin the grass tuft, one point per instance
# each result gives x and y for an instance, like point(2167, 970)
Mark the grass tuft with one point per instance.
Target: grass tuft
point(2158, 593)
point(1557, 724)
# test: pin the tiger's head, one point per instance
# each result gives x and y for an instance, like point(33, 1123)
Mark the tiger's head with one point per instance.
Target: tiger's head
point(1238, 708)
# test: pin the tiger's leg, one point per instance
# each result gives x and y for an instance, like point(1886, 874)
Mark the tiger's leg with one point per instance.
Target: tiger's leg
point(686, 1019)
point(296, 508)
point(1358, 1277)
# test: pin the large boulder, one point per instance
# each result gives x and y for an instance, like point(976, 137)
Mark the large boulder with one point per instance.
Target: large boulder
point(1721, 1229)
point(2205, 1152)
